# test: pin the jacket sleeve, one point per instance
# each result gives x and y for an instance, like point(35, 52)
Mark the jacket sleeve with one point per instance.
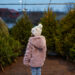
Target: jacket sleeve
point(45, 51)
point(27, 55)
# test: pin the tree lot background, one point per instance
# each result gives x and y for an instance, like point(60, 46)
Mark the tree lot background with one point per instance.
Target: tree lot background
point(60, 37)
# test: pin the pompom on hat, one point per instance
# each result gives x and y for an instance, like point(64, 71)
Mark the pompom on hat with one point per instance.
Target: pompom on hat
point(37, 30)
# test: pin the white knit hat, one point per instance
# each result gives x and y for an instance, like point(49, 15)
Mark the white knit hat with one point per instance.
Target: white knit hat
point(37, 30)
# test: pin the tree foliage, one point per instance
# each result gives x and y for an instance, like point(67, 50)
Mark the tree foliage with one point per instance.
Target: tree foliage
point(3, 28)
point(66, 31)
point(49, 28)
point(60, 35)
point(21, 31)
point(9, 48)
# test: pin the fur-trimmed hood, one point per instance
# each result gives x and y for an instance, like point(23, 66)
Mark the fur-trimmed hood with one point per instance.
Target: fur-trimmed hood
point(37, 41)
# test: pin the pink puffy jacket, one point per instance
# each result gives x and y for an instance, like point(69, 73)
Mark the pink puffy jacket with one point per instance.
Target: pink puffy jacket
point(35, 52)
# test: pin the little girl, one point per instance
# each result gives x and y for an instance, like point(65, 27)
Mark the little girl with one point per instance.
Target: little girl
point(36, 51)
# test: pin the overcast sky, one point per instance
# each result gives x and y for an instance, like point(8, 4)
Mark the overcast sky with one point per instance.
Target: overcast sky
point(38, 7)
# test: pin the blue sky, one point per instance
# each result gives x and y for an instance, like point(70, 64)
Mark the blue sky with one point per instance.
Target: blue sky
point(54, 7)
